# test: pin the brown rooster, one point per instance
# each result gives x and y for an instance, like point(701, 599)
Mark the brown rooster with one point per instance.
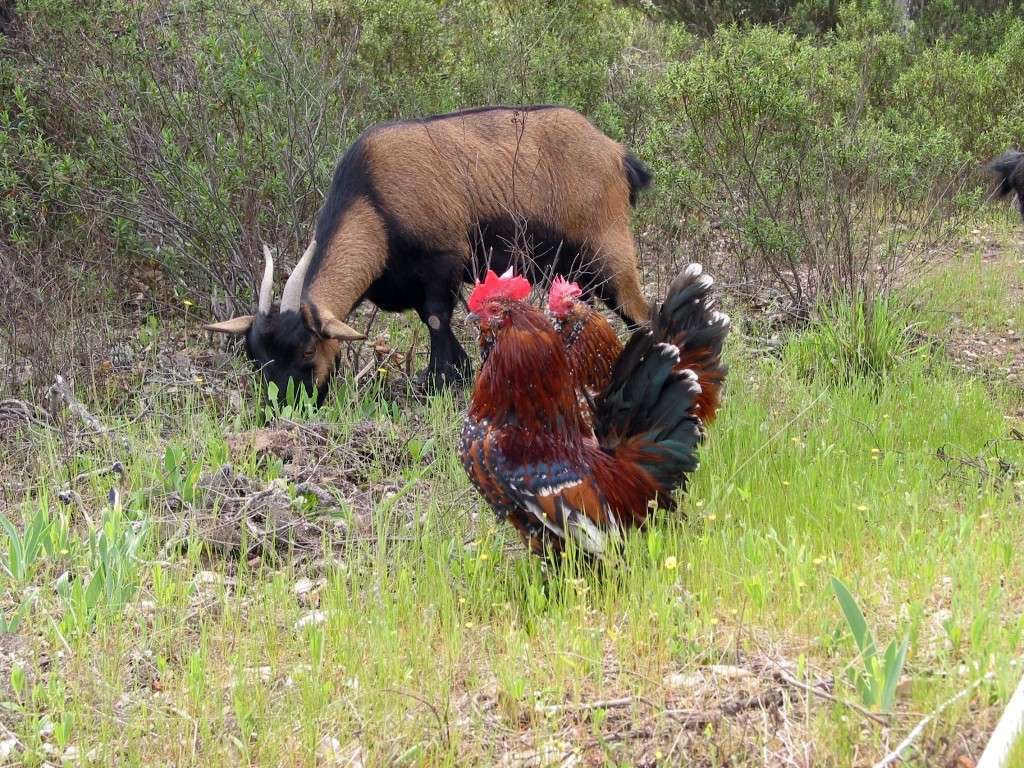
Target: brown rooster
point(528, 445)
point(592, 346)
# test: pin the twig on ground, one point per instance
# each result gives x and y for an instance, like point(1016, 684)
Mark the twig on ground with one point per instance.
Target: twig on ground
point(897, 754)
point(586, 706)
point(116, 468)
point(818, 690)
point(61, 391)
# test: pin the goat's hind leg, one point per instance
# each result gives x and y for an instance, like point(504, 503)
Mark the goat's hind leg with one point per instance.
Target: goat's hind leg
point(619, 287)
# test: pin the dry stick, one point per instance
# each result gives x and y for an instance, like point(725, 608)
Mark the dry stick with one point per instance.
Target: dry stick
point(61, 390)
point(897, 754)
point(1007, 730)
point(586, 706)
point(818, 691)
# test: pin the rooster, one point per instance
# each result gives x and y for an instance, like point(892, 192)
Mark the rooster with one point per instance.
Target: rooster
point(532, 452)
point(592, 346)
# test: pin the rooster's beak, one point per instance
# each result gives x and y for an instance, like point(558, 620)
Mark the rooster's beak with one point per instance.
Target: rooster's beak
point(473, 317)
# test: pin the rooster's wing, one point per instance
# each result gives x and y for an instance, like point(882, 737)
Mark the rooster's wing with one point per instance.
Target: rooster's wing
point(567, 502)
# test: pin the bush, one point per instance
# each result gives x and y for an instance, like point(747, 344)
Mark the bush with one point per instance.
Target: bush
point(704, 16)
point(421, 57)
point(777, 142)
point(852, 339)
point(972, 25)
point(151, 147)
point(974, 98)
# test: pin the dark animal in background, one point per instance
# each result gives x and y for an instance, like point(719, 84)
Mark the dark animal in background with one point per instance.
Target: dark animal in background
point(1009, 167)
point(6, 16)
point(419, 207)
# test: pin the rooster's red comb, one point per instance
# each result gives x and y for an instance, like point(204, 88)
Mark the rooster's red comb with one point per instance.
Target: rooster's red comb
point(508, 286)
point(561, 293)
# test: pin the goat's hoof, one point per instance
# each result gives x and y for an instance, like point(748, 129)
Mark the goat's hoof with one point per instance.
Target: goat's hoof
point(434, 380)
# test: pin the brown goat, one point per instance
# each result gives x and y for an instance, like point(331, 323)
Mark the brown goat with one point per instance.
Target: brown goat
point(418, 207)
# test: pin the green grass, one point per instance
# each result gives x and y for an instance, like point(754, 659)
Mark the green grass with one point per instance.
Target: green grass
point(442, 643)
point(976, 292)
point(1016, 758)
point(853, 340)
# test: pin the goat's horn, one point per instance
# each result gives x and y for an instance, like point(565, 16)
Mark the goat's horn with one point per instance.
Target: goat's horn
point(267, 286)
point(291, 297)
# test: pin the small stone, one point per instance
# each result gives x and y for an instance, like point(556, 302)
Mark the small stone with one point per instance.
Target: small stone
point(312, 619)
point(681, 680)
point(8, 748)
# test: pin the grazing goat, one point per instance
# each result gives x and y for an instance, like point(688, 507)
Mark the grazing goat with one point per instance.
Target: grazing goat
point(419, 207)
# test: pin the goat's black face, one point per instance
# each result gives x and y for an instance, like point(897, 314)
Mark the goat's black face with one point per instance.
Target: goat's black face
point(283, 348)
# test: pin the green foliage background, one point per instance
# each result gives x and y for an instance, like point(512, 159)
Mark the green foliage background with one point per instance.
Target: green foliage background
point(177, 135)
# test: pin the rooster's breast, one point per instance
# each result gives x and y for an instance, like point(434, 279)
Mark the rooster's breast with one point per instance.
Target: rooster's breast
point(483, 461)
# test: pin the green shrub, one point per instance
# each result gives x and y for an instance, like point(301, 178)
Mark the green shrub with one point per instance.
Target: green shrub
point(421, 57)
point(973, 25)
point(775, 139)
point(704, 16)
point(973, 98)
point(852, 340)
point(181, 135)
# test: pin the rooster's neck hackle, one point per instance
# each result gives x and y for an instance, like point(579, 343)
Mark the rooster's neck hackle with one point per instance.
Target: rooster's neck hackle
point(526, 381)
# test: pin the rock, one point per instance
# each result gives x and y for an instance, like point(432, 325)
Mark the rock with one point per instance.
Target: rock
point(680, 680)
point(312, 619)
point(8, 748)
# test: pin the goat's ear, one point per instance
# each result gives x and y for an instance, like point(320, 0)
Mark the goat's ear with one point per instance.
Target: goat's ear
point(335, 329)
point(324, 324)
point(236, 326)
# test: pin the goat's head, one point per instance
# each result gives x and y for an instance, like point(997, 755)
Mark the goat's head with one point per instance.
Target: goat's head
point(298, 341)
